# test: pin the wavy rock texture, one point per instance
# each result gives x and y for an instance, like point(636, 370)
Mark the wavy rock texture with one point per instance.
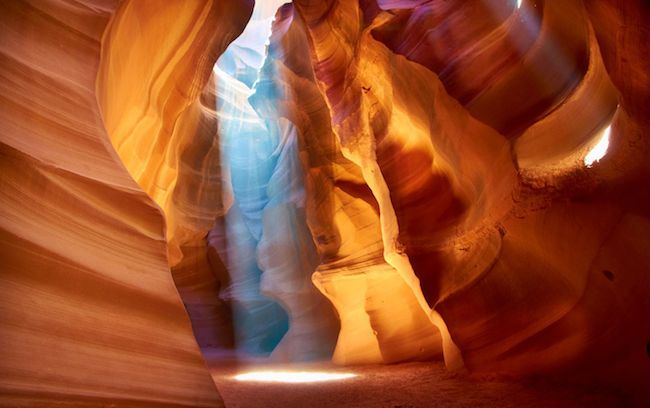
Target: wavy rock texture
point(90, 315)
point(509, 243)
point(160, 114)
point(164, 133)
point(389, 135)
point(418, 164)
point(341, 216)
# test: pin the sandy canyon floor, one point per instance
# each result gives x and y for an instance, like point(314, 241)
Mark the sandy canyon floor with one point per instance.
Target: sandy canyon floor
point(410, 385)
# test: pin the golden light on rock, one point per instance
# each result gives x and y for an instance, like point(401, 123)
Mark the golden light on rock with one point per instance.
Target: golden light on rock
point(600, 149)
point(378, 182)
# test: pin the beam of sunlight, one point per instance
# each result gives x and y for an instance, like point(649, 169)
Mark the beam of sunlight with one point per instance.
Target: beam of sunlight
point(519, 3)
point(292, 376)
point(250, 148)
point(599, 150)
point(264, 237)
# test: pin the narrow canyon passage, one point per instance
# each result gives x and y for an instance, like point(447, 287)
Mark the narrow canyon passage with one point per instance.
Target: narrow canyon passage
point(276, 160)
point(364, 203)
point(269, 252)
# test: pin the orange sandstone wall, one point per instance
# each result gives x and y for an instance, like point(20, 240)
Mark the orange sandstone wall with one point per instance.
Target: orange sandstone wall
point(156, 60)
point(90, 315)
point(159, 110)
point(442, 144)
point(469, 128)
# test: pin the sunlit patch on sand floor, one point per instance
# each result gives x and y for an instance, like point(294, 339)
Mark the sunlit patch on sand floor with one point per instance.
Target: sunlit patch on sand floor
point(292, 376)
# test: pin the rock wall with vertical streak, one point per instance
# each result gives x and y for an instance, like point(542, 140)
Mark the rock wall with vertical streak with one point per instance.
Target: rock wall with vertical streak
point(154, 91)
point(156, 62)
point(470, 124)
point(441, 147)
point(341, 214)
point(90, 315)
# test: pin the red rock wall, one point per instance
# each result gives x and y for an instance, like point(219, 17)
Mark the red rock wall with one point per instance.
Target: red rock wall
point(443, 147)
point(90, 314)
point(513, 246)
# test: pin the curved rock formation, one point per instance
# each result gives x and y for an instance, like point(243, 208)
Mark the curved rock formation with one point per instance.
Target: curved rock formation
point(458, 179)
point(507, 260)
point(160, 114)
point(90, 315)
point(341, 216)
point(164, 133)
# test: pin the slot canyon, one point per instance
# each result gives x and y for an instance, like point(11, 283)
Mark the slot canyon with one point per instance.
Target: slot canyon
point(324, 203)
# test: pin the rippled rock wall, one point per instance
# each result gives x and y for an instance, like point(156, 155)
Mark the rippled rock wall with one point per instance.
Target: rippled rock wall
point(510, 242)
point(90, 313)
point(399, 180)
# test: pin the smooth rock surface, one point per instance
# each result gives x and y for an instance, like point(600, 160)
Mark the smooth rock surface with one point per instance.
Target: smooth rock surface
point(90, 315)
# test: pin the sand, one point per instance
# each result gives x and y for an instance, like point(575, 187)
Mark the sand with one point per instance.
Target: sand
point(409, 385)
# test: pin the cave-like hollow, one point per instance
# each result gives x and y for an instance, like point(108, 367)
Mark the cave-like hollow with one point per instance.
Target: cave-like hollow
point(332, 203)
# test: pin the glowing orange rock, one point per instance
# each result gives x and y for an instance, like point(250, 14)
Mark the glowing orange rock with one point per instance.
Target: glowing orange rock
point(90, 314)
point(449, 207)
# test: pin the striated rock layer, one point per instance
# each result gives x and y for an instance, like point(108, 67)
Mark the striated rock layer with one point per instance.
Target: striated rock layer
point(159, 112)
point(510, 244)
point(458, 179)
point(90, 315)
point(156, 61)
